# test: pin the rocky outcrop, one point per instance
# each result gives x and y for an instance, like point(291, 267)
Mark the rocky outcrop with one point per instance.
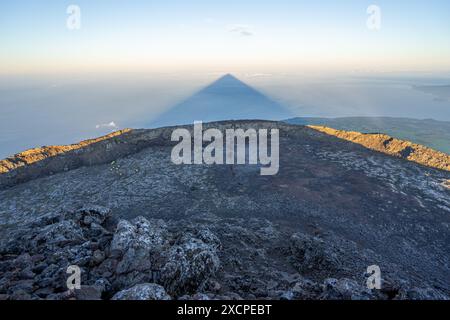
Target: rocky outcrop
point(189, 263)
point(145, 291)
point(35, 256)
point(125, 258)
point(151, 259)
point(312, 253)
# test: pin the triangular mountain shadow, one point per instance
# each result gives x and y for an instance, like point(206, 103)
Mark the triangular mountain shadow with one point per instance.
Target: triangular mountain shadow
point(227, 98)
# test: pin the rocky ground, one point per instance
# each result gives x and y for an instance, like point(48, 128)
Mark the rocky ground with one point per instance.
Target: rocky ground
point(153, 259)
point(140, 227)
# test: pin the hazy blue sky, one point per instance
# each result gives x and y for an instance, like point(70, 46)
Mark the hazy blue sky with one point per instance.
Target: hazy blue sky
point(232, 35)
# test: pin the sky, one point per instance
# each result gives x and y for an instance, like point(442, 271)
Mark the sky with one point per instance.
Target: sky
point(232, 36)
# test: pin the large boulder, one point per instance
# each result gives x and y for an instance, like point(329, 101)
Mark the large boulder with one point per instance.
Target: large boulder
point(139, 233)
point(312, 254)
point(137, 245)
point(189, 265)
point(345, 289)
point(145, 291)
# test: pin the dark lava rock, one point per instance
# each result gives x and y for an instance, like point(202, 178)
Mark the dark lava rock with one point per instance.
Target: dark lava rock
point(88, 293)
point(312, 253)
point(345, 289)
point(145, 291)
point(189, 264)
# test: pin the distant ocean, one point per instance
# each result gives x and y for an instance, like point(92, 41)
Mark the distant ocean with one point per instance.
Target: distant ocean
point(37, 111)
